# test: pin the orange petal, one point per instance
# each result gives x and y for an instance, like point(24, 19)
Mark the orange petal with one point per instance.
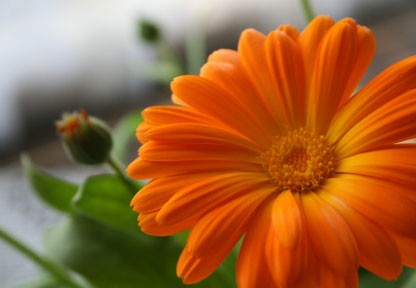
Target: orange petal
point(193, 133)
point(141, 169)
point(291, 31)
point(389, 209)
point(330, 236)
point(193, 269)
point(236, 82)
point(141, 131)
point(396, 164)
point(286, 265)
point(149, 225)
point(310, 40)
point(366, 50)
point(286, 219)
point(209, 98)
point(225, 56)
point(377, 251)
point(391, 123)
point(407, 248)
point(208, 193)
point(164, 115)
point(158, 151)
point(252, 269)
point(158, 191)
point(285, 61)
point(226, 223)
point(391, 83)
point(252, 51)
point(160, 115)
point(334, 63)
point(319, 276)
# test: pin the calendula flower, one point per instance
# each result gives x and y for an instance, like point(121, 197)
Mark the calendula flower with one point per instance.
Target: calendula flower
point(268, 143)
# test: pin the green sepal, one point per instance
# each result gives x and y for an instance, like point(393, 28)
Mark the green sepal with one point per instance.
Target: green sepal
point(91, 144)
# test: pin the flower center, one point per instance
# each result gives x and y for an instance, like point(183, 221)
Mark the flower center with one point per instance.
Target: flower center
point(299, 161)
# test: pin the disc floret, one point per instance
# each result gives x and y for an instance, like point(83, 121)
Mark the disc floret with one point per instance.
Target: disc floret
point(299, 161)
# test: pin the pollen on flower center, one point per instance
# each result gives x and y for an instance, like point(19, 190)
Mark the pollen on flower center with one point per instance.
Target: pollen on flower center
point(299, 161)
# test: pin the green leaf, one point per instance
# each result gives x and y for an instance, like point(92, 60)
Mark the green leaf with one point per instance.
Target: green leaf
point(369, 280)
point(56, 192)
point(124, 133)
point(107, 198)
point(112, 257)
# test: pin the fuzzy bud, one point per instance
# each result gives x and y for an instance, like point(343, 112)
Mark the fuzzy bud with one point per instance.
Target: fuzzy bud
point(87, 140)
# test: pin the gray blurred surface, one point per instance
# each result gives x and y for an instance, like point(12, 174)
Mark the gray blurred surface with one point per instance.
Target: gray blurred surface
point(57, 54)
point(25, 216)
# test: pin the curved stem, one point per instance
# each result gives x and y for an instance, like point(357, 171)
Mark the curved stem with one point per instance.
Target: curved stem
point(195, 47)
point(57, 272)
point(115, 164)
point(307, 9)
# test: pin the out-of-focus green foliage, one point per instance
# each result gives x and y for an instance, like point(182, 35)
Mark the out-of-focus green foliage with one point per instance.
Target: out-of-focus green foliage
point(47, 281)
point(44, 282)
point(106, 198)
point(411, 281)
point(369, 280)
point(56, 192)
point(110, 257)
point(195, 46)
point(113, 257)
point(148, 31)
point(124, 133)
point(167, 65)
point(161, 72)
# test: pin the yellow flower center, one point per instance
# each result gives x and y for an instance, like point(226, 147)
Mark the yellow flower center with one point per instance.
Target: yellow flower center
point(299, 161)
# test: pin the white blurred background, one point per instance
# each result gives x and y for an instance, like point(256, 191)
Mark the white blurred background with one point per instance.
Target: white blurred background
point(60, 55)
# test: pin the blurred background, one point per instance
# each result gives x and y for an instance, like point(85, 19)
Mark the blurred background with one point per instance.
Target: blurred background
point(60, 55)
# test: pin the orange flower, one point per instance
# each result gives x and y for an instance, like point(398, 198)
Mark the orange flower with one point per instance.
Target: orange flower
point(268, 143)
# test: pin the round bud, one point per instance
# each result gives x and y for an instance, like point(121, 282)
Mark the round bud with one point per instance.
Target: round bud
point(87, 140)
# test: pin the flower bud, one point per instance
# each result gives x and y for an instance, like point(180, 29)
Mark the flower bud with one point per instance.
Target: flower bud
point(86, 139)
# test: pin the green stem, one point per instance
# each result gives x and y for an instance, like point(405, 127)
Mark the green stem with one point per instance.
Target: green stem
point(57, 272)
point(307, 9)
point(115, 164)
point(167, 53)
point(195, 48)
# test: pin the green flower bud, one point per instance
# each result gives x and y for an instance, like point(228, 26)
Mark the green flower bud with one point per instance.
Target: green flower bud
point(86, 139)
point(148, 31)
